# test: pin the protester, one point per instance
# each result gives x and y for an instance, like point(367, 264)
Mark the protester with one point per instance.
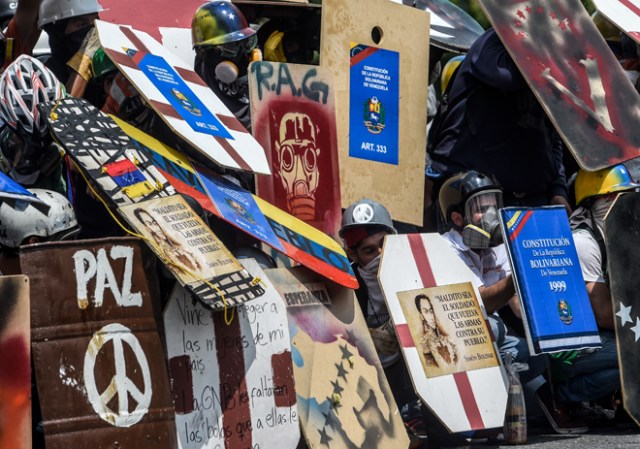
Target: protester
point(491, 121)
point(470, 201)
point(225, 44)
point(28, 153)
point(594, 374)
point(22, 30)
point(365, 224)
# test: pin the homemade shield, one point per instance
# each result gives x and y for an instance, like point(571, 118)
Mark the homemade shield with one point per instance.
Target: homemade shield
point(232, 383)
point(380, 70)
point(428, 286)
point(293, 117)
point(99, 363)
point(574, 75)
point(344, 400)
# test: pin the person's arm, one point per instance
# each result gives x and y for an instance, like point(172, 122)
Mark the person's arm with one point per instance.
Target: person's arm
point(497, 295)
point(600, 298)
point(26, 24)
point(491, 63)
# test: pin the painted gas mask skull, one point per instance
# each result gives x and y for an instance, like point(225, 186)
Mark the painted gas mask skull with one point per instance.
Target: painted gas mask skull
point(298, 163)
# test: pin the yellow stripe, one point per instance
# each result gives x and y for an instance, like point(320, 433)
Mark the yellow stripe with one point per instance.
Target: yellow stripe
point(513, 220)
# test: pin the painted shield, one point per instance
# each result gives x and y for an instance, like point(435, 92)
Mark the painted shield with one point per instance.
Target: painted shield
point(232, 383)
point(458, 375)
point(197, 258)
point(344, 400)
point(574, 75)
point(381, 154)
point(99, 363)
point(182, 99)
point(624, 13)
point(621, 228)
point(293, 117)
point(15, 375)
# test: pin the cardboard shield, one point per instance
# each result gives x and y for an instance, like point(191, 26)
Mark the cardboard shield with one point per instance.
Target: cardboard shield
point(232, 384)
point(294, 238)
point(182, 99)
point(99, 362)
point(104, 152)
point(461, 378)
point(574, 75)
point(381, 149)
point(621, 240)
point(451, 28)
point(625, 14)
point(15, 353)
point(293, 117)
point(344, 400)
point(556, 311)
point(195, 256)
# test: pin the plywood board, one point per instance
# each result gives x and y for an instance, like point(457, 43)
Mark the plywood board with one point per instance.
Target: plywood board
point(397, 183)
point(468, 393)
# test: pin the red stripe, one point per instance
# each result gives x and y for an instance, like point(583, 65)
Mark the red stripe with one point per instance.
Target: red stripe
point(468, 400)
point(631, 6)
point(404, 335)
point(135, 40)
point(191, 76)
point(422, 261)
point(233, 384)
point(363, 55)
point(526, 217)
point(231, 122)
point(224, 143)
point(121, 59)
point(462, 380)
point(165, 109)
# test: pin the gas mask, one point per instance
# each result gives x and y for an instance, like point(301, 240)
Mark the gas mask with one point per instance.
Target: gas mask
point(226, 65)
point(297, 156)
point(483, 223)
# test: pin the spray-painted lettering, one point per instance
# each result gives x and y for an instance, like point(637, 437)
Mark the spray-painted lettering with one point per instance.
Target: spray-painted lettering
point(268, 81)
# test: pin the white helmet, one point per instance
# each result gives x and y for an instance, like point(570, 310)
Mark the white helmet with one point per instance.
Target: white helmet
point(52, 11)
point(19, 220)
point(23, 86)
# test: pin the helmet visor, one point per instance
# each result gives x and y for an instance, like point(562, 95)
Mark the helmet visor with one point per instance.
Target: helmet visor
point(25, 156)
point(234, 49)
point(479, 203)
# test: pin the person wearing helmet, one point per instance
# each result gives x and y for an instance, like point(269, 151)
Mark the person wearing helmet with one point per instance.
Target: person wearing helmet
point(28, 153)
point(493, 123)
point(365, 224)
point(68, 23)
point(225, 44)
point(591, 375)
point(469, 202)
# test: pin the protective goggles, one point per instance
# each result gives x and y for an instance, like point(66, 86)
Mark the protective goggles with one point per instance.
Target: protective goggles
point(234, 49)
point(481, 202)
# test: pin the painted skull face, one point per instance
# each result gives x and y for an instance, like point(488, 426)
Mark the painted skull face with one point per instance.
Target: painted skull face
point(298, 163)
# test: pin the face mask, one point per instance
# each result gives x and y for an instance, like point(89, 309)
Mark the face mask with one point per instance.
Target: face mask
point(372, 266)
point(484, 234)
point(64, 46)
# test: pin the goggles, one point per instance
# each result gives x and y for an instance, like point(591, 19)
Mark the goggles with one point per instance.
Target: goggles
point(234, 49)
point(481, 202)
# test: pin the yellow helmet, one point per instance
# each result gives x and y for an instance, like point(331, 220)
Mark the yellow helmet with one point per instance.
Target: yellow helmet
point(447, 71)
point(601, 182)
point(219, 22)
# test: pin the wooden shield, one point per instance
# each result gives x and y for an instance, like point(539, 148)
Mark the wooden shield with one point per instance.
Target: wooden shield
point(469, 392)
point(182, 99)
point(344, 400)
point(623, 246)
point(232, 383)
point(293, 117)
point(574, 75)
point(15, 374)
point(99, 362)
point(404, 35)
point(188, 248)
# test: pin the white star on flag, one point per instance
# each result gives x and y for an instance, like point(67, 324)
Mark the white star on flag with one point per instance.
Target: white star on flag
point(625, 314)
point(636, 329)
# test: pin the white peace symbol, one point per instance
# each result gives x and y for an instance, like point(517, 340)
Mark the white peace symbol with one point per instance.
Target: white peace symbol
point(120, 385)
point(363, 213)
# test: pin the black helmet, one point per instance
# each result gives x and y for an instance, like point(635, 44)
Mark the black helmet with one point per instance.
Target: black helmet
point(460, 187)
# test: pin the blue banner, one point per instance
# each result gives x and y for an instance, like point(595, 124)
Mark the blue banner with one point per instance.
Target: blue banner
point(374, 104)
point(181, 97)
point(9, 189)
point(556, 309)
point(238, 207)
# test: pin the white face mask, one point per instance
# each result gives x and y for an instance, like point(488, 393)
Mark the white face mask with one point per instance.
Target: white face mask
point(372, 266)
point(600, 207)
